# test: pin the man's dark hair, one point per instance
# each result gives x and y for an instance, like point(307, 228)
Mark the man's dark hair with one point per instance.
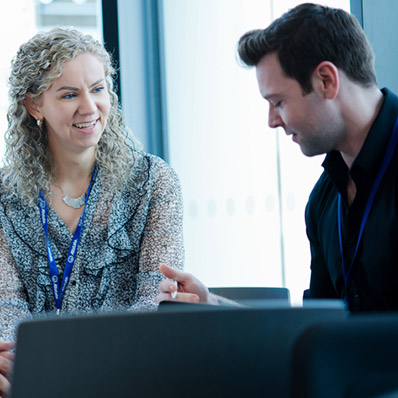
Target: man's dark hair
point(305, 36)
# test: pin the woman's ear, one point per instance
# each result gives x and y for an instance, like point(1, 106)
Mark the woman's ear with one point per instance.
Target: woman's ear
point(326, 79)
point(32, 107)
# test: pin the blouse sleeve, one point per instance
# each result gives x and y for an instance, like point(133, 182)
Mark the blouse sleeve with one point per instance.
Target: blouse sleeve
point(13, 297)
point(162, 240)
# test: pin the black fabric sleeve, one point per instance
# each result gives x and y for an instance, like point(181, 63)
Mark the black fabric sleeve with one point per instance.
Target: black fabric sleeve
point(321, 285)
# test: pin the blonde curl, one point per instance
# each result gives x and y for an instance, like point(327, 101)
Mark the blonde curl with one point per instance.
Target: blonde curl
point(27, 163)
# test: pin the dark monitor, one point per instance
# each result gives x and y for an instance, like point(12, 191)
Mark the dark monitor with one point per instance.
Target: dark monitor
point(237, 352)
point(352, 358)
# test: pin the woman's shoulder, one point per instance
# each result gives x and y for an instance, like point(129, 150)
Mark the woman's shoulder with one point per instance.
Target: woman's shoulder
point(152, 168)
point(11, 202)
point(5, 193)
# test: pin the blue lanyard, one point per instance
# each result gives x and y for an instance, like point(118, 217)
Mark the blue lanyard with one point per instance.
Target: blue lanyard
point(57, 290)
point(392, 144)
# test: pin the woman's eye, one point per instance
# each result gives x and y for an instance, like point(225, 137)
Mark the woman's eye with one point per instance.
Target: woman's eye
point(69, 96)
point(98, 89)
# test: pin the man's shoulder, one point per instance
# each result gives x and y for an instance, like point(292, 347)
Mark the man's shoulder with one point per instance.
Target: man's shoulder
point(320, 195)
point(320, 187)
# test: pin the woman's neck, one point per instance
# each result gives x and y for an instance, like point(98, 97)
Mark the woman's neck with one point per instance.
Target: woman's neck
point(72, 168)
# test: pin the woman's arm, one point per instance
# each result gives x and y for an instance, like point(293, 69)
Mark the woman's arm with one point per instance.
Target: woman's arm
point(162, 239)
point(13, 309)
point(13, 297)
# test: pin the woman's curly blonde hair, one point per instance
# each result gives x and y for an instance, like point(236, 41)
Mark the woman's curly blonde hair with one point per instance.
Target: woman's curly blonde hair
point(37, 64)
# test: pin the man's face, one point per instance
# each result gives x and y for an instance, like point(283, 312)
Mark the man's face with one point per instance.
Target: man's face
point(310, 119)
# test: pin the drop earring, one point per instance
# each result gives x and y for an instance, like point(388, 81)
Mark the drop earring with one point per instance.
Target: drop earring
point(38, 122)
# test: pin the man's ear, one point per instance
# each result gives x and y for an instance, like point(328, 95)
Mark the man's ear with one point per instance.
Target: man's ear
point(33, 107)
point(326, 79)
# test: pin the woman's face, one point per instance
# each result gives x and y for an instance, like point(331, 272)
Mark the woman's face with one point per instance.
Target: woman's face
point(76, 106)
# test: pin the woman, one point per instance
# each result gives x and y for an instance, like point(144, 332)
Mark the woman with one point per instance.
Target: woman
point(85, 217)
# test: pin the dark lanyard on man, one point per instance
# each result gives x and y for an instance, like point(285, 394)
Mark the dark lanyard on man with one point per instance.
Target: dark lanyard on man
point(392, 144)
point(57, 290)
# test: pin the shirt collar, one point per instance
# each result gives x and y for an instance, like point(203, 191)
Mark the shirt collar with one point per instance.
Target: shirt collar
point(372, 153)
point(370, 157)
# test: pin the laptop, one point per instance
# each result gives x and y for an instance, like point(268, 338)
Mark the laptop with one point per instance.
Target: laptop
point(224, 352)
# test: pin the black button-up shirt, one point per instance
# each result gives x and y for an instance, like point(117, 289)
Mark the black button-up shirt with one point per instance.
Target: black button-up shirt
point(374, 275)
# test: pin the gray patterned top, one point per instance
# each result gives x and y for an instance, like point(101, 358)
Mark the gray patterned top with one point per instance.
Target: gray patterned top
point(124, 239)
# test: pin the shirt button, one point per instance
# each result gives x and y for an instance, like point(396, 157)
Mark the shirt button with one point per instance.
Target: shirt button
point(351, 242)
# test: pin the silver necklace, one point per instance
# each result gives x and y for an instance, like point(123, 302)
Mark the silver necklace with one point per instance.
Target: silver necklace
point(76, 203)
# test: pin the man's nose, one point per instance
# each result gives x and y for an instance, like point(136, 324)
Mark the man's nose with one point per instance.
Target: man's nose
point(274, 118)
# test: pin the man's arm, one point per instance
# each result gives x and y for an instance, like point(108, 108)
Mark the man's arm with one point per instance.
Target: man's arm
point(187, 288)
point(321, 285)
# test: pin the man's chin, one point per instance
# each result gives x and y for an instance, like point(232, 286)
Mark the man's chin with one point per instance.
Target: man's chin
point(310, 152)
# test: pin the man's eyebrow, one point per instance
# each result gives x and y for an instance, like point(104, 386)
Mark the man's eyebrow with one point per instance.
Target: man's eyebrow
point(70, 88)
point(270, 97)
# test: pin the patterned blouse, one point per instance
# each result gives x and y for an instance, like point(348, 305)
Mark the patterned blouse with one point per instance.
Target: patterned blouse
point(125, 238)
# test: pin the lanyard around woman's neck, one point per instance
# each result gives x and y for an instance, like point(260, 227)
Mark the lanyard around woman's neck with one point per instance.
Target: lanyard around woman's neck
point(57, 290)
point(392, 144)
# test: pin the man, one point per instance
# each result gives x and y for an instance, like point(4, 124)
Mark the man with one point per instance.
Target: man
point(315, 68)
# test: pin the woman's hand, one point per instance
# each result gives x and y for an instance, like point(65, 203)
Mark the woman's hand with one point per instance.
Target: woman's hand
point(6, 359)
point(189, 289)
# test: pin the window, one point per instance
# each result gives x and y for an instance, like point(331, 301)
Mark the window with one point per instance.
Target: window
point(23, 18)
point(245, 185)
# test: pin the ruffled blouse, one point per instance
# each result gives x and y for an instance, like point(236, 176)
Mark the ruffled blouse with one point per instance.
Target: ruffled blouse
point(126, 236)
